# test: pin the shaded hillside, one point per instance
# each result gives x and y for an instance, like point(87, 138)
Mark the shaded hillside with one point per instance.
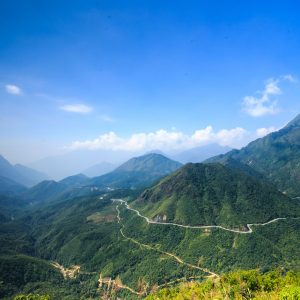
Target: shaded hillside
point(138, 171)
point(50, 190)
point(19, 173)
point(213, 194)
point(44, 191)
point(75, 180)
point(276, 156)
point(9, 187)
point(10, 208)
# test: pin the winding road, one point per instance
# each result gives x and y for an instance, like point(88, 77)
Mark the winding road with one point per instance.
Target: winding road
point(249, 226)
point(178, 259)
point(171, 255)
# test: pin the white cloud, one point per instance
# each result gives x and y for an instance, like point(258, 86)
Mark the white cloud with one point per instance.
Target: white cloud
point(164, 140)
point(13, 89)
point(265, 104)
point(77, 108)
point(261, 132)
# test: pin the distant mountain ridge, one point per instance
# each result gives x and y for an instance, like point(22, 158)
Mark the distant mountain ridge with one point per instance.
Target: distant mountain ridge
point(20, 174)
point(138, 172)
point(214, 194)
point(9, 187)
point(199, 154)
point(135, 173)
point(276, 156)
point(50, 190)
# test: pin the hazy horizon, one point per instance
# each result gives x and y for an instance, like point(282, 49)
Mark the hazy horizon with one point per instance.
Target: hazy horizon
point(127, 79)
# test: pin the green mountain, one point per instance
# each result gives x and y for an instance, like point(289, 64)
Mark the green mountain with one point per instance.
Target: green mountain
point(214, 194)
point(24, 269)
point(86, 232)
point(50, 190)
point(46, 190)
point(9, 187)
point(20, 174)
point(10, 208)
point(105, 237)
point(137, 172)
point(75, 180)
point(276, 156)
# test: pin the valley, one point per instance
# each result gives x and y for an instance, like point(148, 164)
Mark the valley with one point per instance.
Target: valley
point(150, 225)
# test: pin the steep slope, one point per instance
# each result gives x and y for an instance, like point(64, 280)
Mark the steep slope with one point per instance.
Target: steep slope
point(50, 190)
point(10, 208)
point(276, 156)
point(138, 171)
point(31, 176)
point(20, 174)
point(75, 180)
point(44, 191)
point(213, 194)
point(9, 187)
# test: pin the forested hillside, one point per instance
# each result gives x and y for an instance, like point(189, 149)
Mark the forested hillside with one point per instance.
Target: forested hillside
point(213, 194)
point(276, 156)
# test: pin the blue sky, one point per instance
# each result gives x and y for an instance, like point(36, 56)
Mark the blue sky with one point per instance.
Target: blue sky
point(134, 75)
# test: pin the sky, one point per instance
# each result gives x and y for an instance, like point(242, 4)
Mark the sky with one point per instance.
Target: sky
point(141, 75)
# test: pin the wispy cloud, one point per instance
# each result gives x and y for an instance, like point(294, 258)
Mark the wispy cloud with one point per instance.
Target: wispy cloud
point(13, 89)
point(164, 140)
point(264, 103)
point(77, 108)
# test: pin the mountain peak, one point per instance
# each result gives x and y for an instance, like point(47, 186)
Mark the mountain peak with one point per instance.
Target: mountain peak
point(138, 171)
point(149, 161)
point(205, 194)
point(4, 161)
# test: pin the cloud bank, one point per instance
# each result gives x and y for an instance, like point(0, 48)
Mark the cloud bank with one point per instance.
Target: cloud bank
point(164, 140)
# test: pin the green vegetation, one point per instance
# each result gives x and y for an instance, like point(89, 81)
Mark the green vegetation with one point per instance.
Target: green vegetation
point(213, 194)
point(32, 297)
point(276, 157)
point(239, 285)
point(9, 187)
point(221, 251)
point(117, 254)
point(19, 270)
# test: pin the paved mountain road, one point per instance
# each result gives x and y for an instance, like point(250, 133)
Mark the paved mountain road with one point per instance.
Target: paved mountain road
point(249, 226)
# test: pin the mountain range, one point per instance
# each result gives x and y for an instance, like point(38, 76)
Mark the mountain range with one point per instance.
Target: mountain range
point(139, 227)
point(275, 156)
point(20, 174)
point(214, 194)
point(138, 172)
